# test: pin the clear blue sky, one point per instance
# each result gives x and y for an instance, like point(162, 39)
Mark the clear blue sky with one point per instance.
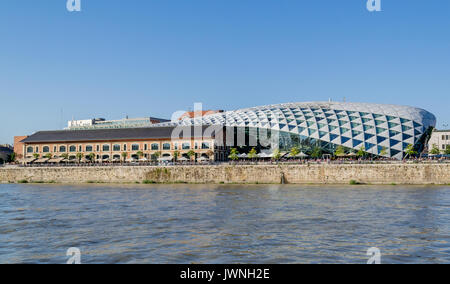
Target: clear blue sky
point(153, 57)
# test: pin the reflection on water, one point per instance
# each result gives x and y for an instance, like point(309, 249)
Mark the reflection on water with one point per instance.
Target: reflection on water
point(224, 224)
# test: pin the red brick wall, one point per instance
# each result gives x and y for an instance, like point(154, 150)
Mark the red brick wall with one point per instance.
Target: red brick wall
point(18, 146)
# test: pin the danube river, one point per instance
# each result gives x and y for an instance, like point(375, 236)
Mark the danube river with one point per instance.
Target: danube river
point(224, 224)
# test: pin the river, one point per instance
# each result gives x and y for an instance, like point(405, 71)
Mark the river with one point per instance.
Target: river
point(224, 223)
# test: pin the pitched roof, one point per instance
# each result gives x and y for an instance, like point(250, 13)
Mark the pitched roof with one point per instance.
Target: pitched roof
point(122, 134)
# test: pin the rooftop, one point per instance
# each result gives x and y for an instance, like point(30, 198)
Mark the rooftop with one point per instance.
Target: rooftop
point(120, 134)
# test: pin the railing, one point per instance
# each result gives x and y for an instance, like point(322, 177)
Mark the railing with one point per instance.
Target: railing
point(241, 162)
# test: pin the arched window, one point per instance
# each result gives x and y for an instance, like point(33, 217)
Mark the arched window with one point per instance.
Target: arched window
point(186, 146)
point(166, 146)
point(155, 147)
point(72, 149)
point(135, 147)
point(116, 147)
point(62, 149)
point(206, 145)
point(30, 150)
point(105, 148)
point(45, 149)
point(89, 148)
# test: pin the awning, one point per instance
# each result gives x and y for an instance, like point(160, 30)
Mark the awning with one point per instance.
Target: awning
point(27, 160)
point(41, 161)
point(165, 159)
point(56, 160)
point(183, 159)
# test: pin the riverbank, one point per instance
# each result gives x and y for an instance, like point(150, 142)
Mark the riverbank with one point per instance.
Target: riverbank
point(414, 174)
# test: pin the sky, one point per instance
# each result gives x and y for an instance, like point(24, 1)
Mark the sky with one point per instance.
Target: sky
point(154, 57)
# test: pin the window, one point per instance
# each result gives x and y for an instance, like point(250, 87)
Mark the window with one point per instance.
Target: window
point(145, 147)
point(135, 147)
point(166, 146)
point(62, 149)
point(175, 146)
point(54, 149)
point(155, 147)
point(89, 148)
point(205, 145)
point(45, 149)
point(72, 149)
point(196, 145)
point(124, 147)
point(105, 148)
point(80, 148)
point(116, 147)
point(37, 149)
point(30, 150)
point(98, 148)
point(186, 146)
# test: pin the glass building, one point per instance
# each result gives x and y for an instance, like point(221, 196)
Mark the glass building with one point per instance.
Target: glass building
point(380, 130)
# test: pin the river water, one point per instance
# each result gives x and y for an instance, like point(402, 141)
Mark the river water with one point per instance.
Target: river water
point(224, 224)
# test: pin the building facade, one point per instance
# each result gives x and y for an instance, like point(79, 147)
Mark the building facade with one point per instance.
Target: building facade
point(379, 130)
point(440, 139)
point(124, 144)
point(5, 152)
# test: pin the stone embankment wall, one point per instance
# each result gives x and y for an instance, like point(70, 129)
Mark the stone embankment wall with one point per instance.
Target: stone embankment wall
point(275, 174)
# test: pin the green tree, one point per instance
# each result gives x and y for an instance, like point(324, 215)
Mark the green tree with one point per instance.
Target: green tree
point(140, 154)
point(435, 150)
point(316, 152)
point(276, 155)
point(253, 153)
point(447, 150)
point(410, 151)
point(91, 157)
point(124, 156)
point(294, 151)
point(36, 155)
point(79, 157)
point(12, 157)
point(234, 154)
point(190, 154)
point(340, 151)
point(383, 151)
point(176, 154)
point(65, 156)
point(48, 156)
point(361, 152)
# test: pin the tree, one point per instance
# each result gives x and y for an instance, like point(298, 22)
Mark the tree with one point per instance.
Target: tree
point(410, 151)
point(36, 155)
point(176, 154)
point(340, 151)
point(210, 154)
point(190, 154)
point(65, 156)
point(92, 157)
point(48, 156)
point(124, 156)
point(383, 151)
point(447, 150)
point(234, 154)
point(79, 157)
point(253, 153)
point(294, 151)
point(12, 157)
point(361, 152)
point(316, 152)
point(276, 155)
point(140, 154)
point(435, 150)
